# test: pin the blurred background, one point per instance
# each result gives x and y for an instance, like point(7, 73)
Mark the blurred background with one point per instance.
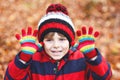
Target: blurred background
point(103, 15)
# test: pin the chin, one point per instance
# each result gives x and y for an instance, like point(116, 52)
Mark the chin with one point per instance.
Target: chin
point(57, 58)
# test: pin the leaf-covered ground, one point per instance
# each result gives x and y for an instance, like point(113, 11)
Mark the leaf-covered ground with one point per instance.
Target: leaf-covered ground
point(104, 15)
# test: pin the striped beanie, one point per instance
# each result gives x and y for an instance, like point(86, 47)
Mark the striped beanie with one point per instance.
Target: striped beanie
point(56, 20)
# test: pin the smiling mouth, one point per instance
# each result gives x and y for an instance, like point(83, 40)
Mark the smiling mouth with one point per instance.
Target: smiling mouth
point(56, 51)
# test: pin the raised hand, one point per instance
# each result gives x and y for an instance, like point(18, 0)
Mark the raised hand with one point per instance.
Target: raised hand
point(28, 41)
point(86, 41)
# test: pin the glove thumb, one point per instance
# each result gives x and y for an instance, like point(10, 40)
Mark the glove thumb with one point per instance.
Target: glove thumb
point(40, 46)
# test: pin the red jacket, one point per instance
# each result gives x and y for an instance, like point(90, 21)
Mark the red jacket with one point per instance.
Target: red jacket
point(74, 66)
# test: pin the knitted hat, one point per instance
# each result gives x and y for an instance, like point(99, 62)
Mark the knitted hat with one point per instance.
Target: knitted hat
point(56, 20)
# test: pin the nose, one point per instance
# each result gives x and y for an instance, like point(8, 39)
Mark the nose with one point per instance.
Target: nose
point(56, 44)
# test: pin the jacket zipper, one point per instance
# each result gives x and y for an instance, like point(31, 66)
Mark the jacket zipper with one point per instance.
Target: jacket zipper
point(56, 69)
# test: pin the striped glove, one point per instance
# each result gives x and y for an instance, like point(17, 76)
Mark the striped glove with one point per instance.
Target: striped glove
point(28, 43)
point(87, 41)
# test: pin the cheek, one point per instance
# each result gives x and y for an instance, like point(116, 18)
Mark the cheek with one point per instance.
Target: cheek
point(46, 46)
point(66, 46)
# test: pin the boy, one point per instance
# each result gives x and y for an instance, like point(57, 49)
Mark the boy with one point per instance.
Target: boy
point(57, 56)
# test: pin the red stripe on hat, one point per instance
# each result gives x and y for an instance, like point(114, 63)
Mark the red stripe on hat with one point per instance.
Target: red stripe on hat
point(57, 26)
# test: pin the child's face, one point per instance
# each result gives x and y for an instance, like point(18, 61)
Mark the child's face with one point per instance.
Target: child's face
point(56, 45)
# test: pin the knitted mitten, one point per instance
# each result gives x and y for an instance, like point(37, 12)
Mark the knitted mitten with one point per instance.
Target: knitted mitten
point(28, 44)
point(87, 41)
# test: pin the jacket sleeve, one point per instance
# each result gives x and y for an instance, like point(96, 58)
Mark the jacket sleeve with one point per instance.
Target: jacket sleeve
point(98, 69)
point(17, 70)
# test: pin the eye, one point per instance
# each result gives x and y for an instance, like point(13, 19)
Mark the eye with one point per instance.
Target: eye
point(62, 39)
point(48, 40)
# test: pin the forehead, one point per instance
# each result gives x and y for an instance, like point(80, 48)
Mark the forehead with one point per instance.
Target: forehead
point(51, 34)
